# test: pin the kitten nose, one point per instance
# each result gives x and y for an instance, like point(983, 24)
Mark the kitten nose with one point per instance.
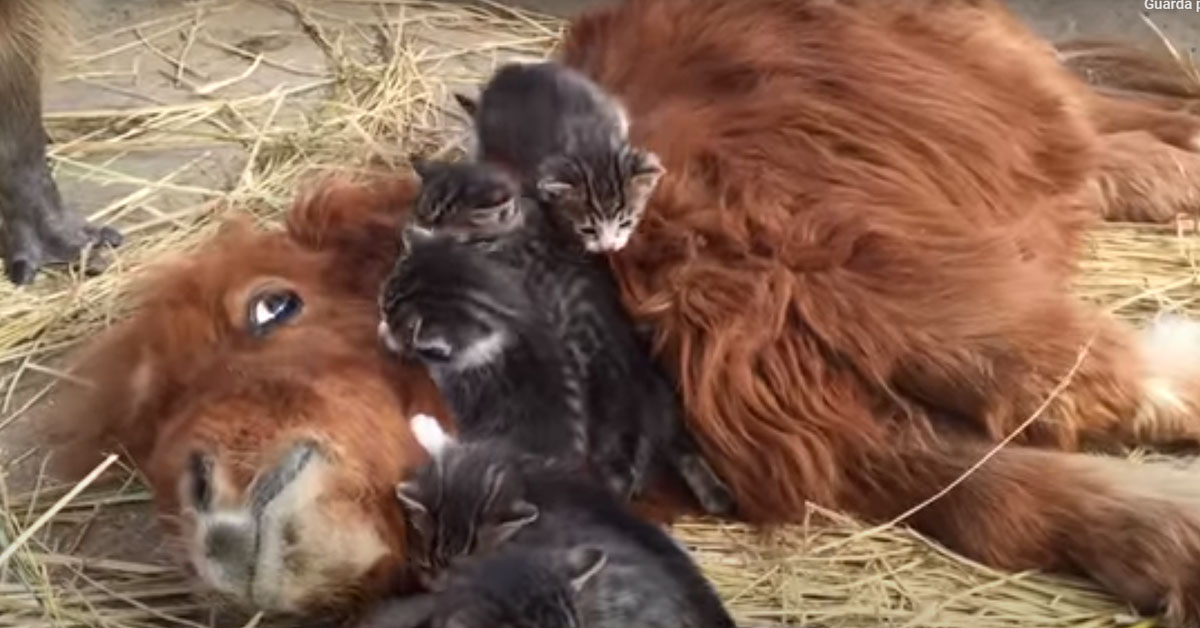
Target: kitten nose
point(612, 239)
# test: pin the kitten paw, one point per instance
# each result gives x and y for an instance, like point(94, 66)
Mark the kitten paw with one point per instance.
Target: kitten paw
point(714, 496)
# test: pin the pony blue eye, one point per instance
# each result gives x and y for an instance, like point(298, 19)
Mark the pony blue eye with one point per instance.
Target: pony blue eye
point(270, 309)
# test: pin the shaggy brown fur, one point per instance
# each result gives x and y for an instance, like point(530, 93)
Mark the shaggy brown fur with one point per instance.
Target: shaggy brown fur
point(38, 230)
point(859, 271)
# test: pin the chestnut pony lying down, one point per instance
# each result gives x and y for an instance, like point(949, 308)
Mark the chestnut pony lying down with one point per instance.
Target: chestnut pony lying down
point(857, 266)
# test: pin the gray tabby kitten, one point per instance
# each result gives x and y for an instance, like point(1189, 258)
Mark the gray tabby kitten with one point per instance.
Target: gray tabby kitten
point(629, 412)
point(513, 589)
point(646, 580)
point(464, 200)
point(568, 141)
point(486, 345)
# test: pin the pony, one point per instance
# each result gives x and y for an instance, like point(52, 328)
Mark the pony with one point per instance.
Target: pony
point(857, 268)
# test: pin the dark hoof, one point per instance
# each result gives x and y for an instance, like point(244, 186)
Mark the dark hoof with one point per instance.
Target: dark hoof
point(34, 246)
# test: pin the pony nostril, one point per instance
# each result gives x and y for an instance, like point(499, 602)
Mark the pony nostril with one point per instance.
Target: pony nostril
point(229, 544)
point(200, 469)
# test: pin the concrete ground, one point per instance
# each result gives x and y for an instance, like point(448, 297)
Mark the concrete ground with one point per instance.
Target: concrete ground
point(131, 532)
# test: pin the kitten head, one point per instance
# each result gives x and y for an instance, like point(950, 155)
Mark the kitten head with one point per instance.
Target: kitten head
point(601, 195)
point(469, 499)
point(521, 589)
point(468, 200)
point(513, 589)
point(448, 306)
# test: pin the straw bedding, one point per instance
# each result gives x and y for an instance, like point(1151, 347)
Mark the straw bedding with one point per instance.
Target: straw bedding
point(209, 117)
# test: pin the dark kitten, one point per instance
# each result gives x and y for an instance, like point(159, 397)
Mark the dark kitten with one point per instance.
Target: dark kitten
point(447, 525)
point(629, 411)
point(513, 589)
point(568, 141)
point(465, 200)
point(647, 580)
point(485, 343)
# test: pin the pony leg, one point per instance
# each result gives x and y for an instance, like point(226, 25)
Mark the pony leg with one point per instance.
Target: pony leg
point(1133, 528)
point(1141, 179)
point(1110, 114)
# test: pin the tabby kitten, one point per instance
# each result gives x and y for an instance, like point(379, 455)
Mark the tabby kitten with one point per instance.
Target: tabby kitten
point(465, 200)
point(631, 416)
point(447, 525)
point(568, 141)
point(513, 589)
point(489, 349)
point(646, 579)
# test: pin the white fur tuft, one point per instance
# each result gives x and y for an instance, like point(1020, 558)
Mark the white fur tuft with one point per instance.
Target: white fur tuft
point(1172, 344)
point(430, 434)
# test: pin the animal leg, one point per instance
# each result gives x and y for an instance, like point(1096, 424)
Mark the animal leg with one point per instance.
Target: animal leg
point(708, 488)
point(1112, 114)
point(1133, 528)
point(1141, 179)
point(38, 230)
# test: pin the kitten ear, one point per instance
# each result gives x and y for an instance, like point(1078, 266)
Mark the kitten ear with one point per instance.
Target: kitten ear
point(413, 611)
point(551, 189)
point(420, 165)
point(413, 234)
point(648, 169)
point(468, 104)
point(507, 523)
point(429, 434)
point(519, 515)
point(409, 494)
point(581, 564)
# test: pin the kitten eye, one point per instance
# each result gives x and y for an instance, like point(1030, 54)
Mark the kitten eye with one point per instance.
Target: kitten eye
point(588, 231)
point(271, 308)
point(626, 223)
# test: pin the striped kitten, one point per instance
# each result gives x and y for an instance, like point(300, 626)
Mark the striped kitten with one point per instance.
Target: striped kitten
point(514, 589)
point(636, 575)
point(568, 141)
point(632, 419)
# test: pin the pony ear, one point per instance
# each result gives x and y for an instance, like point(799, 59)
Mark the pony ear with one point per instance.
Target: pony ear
point(337, 212)
point(103, 408)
